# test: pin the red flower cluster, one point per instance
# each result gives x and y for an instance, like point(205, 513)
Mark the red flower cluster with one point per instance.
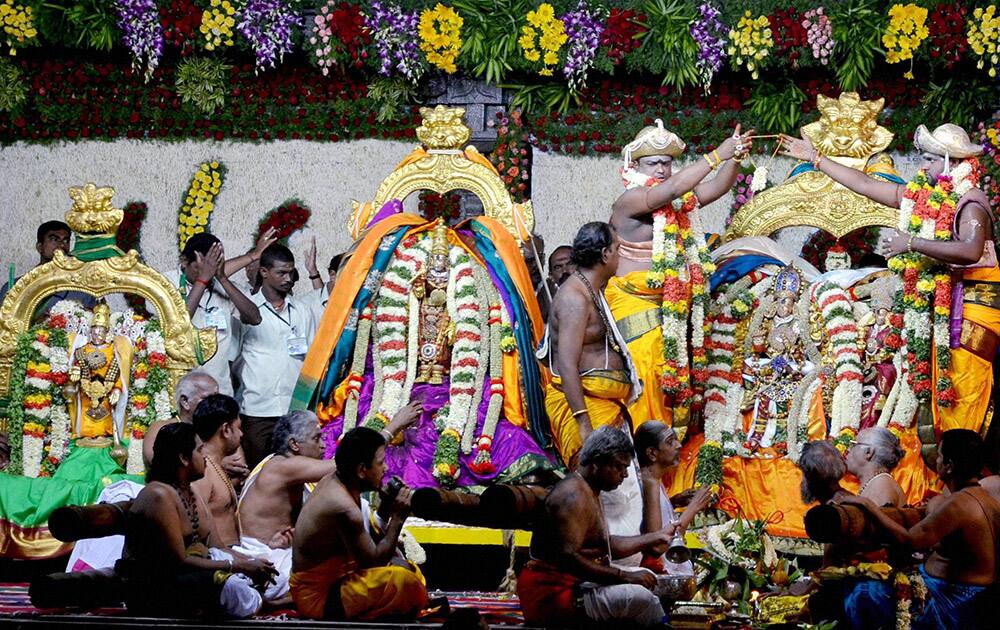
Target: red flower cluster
point(352, 39)
point(790, 38)
point(285, 219)
point(129, 232)
point(511, 155)
point(433, 205)
point(620, 32)
point(857, 243)
point(181, 20)
point(947, 25)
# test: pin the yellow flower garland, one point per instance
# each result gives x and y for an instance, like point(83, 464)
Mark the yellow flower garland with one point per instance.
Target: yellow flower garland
point(217, 24)
point(17, 24)
point(441, 36)
point(750, 42)
point(551, 36)
point(199, 202)
point(984, 38)
point(906, 31)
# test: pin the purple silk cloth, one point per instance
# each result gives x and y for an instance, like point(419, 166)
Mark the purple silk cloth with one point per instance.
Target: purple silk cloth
point(957, 310)
point(391, 207)
point(413, 461)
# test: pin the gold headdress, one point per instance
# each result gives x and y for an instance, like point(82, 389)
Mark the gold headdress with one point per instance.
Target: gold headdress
point(439, 239)
point(653, 140)
point(102, 316)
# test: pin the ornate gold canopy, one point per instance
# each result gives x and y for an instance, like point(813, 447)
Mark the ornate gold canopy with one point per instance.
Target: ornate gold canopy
point(445, 166)
point(847, 132)
point(93, 218)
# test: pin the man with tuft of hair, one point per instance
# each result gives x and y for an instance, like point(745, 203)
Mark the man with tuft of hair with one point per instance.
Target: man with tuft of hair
point(217, 423)
point(274, 491)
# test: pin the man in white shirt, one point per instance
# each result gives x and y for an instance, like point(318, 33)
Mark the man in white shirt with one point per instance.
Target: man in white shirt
point(213, 301)
point(272, 352)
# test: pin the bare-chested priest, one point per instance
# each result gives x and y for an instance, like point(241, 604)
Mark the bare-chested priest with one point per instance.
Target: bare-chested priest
point(168, 566)
point(592, 375)
point(275, 490)
point(217, 422)
point(342, 567)
point(570, 579)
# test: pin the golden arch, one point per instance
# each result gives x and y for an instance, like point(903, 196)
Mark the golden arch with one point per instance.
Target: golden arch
point(445, 166)
point(117, 274)
point(811, 199)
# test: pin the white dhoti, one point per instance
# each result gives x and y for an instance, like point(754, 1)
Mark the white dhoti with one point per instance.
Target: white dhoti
point(623, 512)
point(280, 558)
point(103, 553)
point(628, 603)
point(239, 598)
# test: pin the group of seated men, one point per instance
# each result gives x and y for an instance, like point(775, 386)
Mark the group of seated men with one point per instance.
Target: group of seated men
point(959, 534)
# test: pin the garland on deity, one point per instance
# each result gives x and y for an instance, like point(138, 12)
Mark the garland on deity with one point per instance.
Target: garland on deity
point(38, 421)
point(928, 212)
point(355, 377)
point(148, 398)
point(901, 404)
point(842, 331)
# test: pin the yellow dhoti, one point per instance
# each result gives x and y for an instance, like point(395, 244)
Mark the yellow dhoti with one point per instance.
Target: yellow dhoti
point(636, 309)
point(365, 594)
point(604, 393)
point(972, 375)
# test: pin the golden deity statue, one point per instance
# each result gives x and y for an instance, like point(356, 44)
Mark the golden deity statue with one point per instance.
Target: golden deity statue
point(437, 331)
point(98, 380)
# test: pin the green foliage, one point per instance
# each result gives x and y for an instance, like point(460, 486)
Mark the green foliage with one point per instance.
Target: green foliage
point(490, 33)
point(961, 101)
point(13, 88)
point(203, 82)
point(84, 24)
point(537, 99)
point(777, 107)
point(391, 96)
point(857, 30)
point(667, 46)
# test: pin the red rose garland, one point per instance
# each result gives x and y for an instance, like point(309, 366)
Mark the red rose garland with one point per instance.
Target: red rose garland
point(286, 219)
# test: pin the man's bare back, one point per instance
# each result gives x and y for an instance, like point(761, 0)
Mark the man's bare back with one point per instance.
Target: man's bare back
point(273, 501)
point(317, 536)
point(575, 314)
point(968, 554)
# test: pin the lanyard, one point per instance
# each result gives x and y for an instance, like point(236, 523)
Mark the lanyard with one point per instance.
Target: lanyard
point(287, 322)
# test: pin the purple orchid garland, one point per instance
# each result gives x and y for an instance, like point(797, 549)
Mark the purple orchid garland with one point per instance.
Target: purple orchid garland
point(139, 20)
point(583, 31)
point(268, 26)
point(710, 34)
point(394, 32)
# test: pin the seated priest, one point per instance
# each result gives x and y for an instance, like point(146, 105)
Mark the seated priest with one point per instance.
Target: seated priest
point(342, 567)
point(962, 534)
point(570, 579)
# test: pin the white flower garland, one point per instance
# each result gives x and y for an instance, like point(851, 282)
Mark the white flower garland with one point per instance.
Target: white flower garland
point(356, 375)
point(463, 308)
point(32, 449)
point(835, 306)
point(483, 283)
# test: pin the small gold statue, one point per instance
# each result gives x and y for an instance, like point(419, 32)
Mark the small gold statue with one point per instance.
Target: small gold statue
point(437, 331)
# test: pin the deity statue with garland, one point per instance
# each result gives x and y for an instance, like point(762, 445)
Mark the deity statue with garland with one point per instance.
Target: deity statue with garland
point(802, 364)
point(444, 315)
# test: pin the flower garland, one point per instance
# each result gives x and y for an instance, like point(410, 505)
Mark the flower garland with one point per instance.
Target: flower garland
point(339, 36)
point(750, 43)
point(139, 21)
point(268, 26)
point(355, 378)
point(288, 218)
point(907, 29)
point(819, 34)
point(928, 212)
point(483, 285)
point(583, 31)
point(464, 310)
point(196, 210)
point(440, 32)
point(217, 24)
point(18, 24)
point(911, 593)
point(395, 34)
point(392, 317)
point(709, 33)
point(148, 398)
point(984, 38)
point(542, 38)
point(842, 330)
point(482, 464)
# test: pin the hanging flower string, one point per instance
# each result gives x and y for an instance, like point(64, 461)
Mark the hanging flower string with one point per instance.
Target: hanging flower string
point(268, 26)
point(196, 211)
point(583, 32)
point(395, 32)
point(139, 21)
point(709, 33)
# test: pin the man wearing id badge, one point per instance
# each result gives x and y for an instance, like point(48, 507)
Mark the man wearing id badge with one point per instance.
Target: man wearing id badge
point(272, 352)
point(213, 301)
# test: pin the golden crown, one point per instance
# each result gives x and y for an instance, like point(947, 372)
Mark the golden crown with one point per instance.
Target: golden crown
point(92, 212)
